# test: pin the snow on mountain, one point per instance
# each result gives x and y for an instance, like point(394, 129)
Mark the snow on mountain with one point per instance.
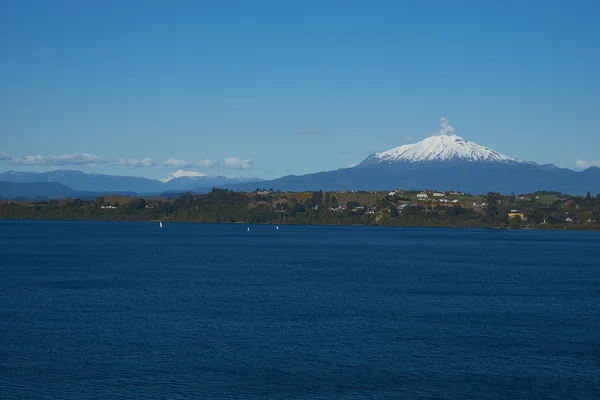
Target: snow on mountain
point(183, 174)
point(441, 148)
point(444, 146)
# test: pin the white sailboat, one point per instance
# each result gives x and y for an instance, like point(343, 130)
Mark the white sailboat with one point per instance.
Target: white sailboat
point(248, 229)
point(277, 227)
point(160, 223)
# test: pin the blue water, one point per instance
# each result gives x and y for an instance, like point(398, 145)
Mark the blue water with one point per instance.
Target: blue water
point(127, 310)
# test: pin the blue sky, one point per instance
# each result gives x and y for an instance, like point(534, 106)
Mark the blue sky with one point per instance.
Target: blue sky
point(269, 88)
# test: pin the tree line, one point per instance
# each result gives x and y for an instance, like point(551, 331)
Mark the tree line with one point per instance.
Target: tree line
point(319, 207)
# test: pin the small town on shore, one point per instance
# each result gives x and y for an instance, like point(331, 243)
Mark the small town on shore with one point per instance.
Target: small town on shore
point(542, 210)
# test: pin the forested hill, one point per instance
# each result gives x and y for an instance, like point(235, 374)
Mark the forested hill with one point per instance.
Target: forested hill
point(451, 209)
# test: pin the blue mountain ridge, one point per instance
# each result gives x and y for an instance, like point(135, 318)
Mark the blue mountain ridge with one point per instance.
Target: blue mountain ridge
point(79, 181)
point(464, 176)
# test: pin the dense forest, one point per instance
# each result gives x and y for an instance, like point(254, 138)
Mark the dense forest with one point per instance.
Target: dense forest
point(538, 210)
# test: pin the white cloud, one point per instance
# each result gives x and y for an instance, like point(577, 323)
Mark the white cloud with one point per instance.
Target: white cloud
point(584, 164)
point(351, 165)
point(205, 163)
point(179, 163)
point(86, 159)
point(170, 163)
point(63, 160)
point(134, 162)
point(236, 163)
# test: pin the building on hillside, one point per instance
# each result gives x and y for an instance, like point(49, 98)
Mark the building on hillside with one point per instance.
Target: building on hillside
point(516, 214)
point(339, 208)
point(436, 194)
point(422, 196)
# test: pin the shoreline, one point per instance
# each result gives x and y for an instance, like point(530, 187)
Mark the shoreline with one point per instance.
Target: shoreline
point(573, 227)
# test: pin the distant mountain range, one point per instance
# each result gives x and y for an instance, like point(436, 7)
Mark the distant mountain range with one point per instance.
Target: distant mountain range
point(74, 182)
point(12, 190)
point(440, 162)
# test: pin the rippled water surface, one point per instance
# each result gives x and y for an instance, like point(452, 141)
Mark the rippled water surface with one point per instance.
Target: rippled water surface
point(128, 310)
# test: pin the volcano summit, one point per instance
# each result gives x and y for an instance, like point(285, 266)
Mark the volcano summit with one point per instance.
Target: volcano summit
point(444, 161)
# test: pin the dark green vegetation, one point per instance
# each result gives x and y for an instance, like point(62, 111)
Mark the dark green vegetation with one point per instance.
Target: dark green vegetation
point(450, 209)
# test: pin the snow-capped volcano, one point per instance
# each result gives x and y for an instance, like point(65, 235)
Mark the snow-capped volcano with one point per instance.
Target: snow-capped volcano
point(190, 180)
point(441, 148)
point(444, 146)
point(183, 174)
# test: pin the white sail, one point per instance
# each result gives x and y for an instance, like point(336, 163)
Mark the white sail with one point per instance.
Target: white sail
point(160, 223)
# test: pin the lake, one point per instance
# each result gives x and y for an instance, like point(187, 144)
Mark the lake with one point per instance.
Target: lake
point(128, 310)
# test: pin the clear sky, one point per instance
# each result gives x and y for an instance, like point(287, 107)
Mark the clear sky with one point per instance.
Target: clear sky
point(269, 88)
